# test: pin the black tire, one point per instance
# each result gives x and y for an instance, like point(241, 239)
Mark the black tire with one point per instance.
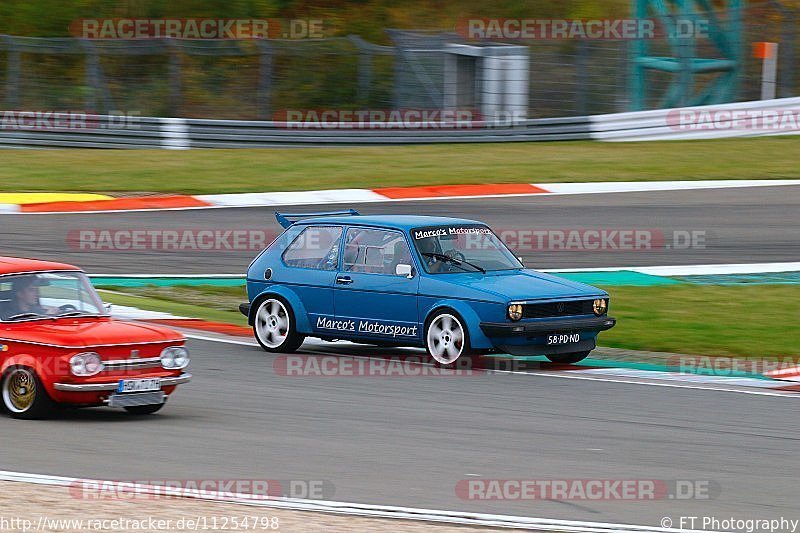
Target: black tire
point(272, 337)
point(140, 410)
point(568, 358)
point(24, 396)
point(463, 356)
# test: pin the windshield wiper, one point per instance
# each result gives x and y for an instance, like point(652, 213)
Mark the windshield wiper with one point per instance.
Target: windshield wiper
point(25, 315)
point(75, 313)
point(454, 261)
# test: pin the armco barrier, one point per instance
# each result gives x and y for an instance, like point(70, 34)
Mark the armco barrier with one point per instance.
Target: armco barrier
point(714, 122)
point(104, 131)
point(178, 133)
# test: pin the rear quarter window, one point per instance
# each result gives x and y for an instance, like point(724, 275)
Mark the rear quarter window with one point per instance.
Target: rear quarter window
point(315, 247)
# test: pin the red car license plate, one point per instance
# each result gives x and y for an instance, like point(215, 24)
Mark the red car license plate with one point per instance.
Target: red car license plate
point(139, 385)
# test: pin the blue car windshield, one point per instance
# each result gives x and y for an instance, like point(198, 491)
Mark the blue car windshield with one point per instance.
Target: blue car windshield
point(462, 248)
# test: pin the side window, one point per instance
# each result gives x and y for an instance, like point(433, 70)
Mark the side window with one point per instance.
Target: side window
point(315, 247)
point(375, 251)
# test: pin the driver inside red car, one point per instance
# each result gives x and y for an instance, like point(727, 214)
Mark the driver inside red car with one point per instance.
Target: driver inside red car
point(25, 297)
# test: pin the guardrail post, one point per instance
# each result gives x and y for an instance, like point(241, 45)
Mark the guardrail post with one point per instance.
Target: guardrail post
point(175, 134)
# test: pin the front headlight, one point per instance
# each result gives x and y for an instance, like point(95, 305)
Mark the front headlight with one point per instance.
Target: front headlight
point(175, 358)
point(86, 364)
point(515, 311)
point(600, 306)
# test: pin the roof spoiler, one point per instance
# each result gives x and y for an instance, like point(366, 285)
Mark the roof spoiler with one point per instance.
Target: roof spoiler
point(287, 219)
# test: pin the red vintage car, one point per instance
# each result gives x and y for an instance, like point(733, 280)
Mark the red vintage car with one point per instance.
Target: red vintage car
point(59, 346)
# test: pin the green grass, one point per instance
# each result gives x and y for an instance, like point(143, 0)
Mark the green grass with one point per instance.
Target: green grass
point(206, 302)
point(280, 169)
point(740, 320)
point(743, 320)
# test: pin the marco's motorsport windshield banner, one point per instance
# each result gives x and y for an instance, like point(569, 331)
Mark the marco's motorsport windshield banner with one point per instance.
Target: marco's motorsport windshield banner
point(449, 231)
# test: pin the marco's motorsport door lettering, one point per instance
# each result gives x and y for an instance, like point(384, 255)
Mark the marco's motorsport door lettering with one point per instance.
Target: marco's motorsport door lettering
point(370, 299)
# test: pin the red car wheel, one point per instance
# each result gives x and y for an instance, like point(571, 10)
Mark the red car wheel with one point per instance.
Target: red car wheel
point(23, 394)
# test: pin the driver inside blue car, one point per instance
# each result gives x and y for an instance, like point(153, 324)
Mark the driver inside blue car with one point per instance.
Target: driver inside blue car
point(428, 246)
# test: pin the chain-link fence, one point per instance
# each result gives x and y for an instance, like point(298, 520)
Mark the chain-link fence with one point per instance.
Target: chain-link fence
point(257, 79)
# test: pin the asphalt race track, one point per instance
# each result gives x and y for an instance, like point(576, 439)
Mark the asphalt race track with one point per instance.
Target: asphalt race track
point(748, 225)
point(409, 440)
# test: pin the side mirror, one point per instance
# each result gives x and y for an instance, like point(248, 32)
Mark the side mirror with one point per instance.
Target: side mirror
point(107, 307)
point(404, 270)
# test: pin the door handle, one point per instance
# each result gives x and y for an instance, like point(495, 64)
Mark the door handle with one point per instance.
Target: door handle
point(344, 280)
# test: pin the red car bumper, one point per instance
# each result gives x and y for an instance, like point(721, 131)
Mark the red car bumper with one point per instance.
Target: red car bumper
point(101, 392)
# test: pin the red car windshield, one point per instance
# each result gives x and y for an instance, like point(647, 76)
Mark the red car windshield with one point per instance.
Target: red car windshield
point(47, 295)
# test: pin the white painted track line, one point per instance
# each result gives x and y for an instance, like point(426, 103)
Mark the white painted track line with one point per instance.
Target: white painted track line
point(371, 511)
point(647, 378)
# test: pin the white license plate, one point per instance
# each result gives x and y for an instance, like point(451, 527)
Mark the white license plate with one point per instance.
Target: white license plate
point(563, 338)
point(139, 385)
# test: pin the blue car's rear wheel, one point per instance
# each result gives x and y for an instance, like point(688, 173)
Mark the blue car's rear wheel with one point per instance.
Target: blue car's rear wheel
point(446, 338)
point(275, 327)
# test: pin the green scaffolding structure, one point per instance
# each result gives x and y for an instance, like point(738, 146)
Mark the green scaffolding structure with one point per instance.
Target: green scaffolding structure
point(682, 22)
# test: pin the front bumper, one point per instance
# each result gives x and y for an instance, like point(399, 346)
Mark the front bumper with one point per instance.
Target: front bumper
point(529, 338)
point(245, 309)
point(112, 386)
point(550, 326)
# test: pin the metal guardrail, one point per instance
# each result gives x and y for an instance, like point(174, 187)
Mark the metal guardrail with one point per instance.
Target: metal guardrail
point(104, 131)
point(712, 122)
point(177, 133)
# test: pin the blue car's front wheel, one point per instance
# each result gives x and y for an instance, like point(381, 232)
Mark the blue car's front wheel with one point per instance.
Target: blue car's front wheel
point(446, 338)
point(274, 326)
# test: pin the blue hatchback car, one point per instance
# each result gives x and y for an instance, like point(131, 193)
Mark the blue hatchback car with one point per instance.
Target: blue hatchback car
point(447, 284)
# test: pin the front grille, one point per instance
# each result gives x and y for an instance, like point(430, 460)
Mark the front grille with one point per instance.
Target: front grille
point(551, 309)
point(127, 364)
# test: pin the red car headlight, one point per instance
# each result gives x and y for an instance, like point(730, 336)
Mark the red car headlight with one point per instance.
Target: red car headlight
point(86, 364)
point(175, 358)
